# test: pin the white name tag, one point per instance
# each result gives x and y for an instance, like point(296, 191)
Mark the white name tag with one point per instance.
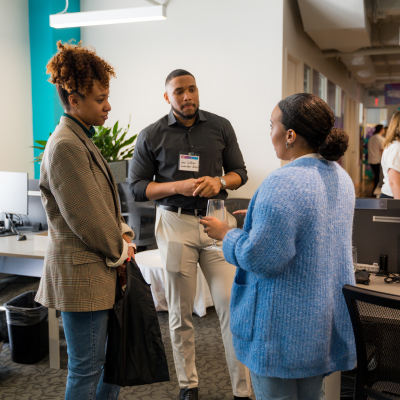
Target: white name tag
point(189, 162)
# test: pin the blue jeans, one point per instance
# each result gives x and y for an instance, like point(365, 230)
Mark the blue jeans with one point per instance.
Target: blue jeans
point(86, 334)
point(288, 389)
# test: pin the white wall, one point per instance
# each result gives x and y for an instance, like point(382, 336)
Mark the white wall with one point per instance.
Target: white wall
point(233, 48)
point(16, 100)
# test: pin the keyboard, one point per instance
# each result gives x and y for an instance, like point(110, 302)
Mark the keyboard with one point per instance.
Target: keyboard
point(7, 234)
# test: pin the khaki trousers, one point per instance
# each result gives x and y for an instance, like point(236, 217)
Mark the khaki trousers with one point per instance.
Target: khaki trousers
point(181, 241)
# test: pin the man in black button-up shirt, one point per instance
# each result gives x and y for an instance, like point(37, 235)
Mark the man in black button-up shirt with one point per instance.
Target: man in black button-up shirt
point(157, 154)
point(186, 152)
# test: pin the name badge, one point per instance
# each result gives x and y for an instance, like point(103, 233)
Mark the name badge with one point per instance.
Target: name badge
point(189, 162)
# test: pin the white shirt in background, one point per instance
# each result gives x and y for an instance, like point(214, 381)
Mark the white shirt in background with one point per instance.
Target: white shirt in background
point(390, 159)
point(375, 147)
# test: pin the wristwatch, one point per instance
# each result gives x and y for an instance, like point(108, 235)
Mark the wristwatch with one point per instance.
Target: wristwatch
point(223, 183)
point(134, 247)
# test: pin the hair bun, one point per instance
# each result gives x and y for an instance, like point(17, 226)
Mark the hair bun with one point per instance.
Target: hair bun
point(335, 144)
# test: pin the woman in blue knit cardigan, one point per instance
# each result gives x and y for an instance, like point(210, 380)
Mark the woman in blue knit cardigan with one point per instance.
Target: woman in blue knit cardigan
point(289, 320)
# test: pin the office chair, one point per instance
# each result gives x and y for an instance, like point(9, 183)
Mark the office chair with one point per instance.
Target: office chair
point(237, 204)
point(140, 216)
point(376, 323)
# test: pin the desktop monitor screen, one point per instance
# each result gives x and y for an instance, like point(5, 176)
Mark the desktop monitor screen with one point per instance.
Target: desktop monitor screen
point(14, 192)
point(376, 231)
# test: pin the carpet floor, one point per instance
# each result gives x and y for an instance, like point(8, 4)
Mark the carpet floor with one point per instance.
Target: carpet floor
point(39, 382)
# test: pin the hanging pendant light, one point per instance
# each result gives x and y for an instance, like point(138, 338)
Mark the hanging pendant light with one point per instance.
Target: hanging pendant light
point(107, 17)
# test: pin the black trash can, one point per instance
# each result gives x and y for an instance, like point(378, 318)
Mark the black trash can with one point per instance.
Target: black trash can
point(28, 329)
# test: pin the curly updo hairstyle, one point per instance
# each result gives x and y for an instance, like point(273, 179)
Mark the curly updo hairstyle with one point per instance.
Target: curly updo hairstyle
point(74, 68)
point(311, 118)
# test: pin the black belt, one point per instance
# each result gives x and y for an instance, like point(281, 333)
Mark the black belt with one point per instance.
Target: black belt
point(197, 212)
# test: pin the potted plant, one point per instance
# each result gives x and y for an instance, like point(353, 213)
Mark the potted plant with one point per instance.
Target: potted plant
point(112, 145)
point(115, 149)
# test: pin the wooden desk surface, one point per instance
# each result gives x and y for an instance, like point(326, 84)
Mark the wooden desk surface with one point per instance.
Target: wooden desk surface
point(10, 247)
point(377, 283)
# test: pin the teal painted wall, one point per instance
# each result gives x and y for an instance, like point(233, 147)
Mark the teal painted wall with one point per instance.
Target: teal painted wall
point(46, 106)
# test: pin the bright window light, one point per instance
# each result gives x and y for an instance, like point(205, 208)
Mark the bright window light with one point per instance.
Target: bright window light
point(307, 79)
point(322, 87)
point(338, 102)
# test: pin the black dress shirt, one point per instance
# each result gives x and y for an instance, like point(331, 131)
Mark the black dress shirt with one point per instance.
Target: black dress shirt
point(158, 150)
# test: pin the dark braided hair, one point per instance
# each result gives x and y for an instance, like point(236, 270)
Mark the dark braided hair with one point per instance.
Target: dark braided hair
point(311, 118)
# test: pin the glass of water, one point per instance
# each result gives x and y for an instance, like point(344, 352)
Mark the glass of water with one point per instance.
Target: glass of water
point(215, 208)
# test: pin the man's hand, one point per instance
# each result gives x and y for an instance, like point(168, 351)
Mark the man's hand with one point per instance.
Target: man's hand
point(207, 187)
point(187, 187)
point(215, 228)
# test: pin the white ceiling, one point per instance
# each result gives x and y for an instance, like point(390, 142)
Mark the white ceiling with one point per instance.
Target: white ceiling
point(346, 26)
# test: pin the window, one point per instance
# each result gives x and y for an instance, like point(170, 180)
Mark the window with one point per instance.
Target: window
point(377, 116)
point(322, 82)
point(338, 102)
point(307, 79)
point(361, 113)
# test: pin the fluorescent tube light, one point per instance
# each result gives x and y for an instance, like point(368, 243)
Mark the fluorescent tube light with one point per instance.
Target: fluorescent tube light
point(107, 17)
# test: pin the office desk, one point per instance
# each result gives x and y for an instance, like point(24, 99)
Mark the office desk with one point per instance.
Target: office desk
point(20, 258)
point(377, 283)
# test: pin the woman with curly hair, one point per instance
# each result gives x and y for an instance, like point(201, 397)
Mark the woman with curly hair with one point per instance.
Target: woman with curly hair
point(289, 320)
point(88, 239)
point(391, 160)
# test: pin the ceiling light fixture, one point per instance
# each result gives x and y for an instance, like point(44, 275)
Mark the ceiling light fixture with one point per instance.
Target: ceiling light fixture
point(107, 17)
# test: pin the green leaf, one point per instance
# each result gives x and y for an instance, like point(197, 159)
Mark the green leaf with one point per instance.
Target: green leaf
point(115, 128)
point(37, 147)
point(112, 143)
point(42, 142)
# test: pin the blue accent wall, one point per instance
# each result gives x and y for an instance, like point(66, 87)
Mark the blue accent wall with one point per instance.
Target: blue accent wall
point(46, 106)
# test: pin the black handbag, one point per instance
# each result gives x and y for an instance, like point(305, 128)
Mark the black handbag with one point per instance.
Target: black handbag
point(135, 352)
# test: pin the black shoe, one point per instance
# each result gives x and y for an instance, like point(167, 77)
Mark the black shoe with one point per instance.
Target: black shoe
point(241, 398)
point(189, 394)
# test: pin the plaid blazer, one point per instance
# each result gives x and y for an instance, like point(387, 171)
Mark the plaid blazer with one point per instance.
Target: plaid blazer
point(80, 197)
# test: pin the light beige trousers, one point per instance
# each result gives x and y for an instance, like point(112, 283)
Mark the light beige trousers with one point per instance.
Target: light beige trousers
point(181, 241)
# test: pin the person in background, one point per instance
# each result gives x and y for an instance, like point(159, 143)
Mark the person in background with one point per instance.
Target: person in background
point(181, 194)
point(88, 239)
point(289, 320)
point(391, 160)
point(375, 149)
point(380, 170)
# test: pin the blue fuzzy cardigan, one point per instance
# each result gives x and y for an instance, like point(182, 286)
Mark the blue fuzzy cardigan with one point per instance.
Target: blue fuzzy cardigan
point(288, 315)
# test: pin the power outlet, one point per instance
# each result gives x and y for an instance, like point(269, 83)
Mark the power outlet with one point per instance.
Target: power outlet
point(367, 267)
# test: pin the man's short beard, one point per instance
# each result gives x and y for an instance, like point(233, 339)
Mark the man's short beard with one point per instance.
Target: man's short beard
point(183, 116)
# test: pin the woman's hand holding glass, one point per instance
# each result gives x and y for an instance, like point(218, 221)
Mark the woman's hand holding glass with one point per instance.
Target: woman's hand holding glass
point(215, 228)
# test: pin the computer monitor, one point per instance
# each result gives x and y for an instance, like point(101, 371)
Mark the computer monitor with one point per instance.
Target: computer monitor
point(13, 200)
point(14, 192)
point(376, 231)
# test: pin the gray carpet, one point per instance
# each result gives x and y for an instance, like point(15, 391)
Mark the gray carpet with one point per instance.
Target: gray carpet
point(39, 382)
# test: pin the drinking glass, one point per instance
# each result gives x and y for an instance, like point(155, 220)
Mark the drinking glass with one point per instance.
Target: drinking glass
point(215, 208)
